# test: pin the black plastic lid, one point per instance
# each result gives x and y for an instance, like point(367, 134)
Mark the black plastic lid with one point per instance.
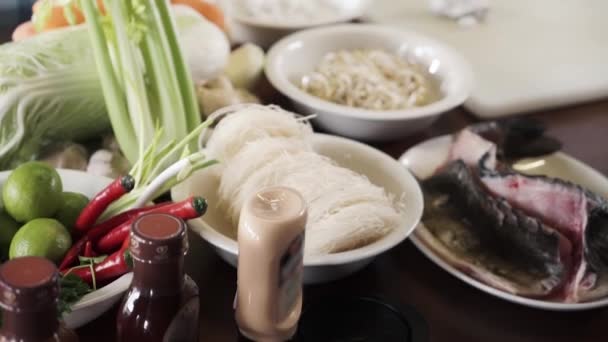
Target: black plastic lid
point(362, 319)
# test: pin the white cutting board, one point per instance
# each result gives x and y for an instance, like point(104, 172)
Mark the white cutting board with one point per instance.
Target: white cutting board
point(528, 55)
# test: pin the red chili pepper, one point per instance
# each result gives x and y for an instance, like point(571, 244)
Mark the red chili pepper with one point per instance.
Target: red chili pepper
point(110, 268)
point(72, 255)
point(106, 226)
point(100, 230)
point(88, 250)
point(187, 209)
point(101, 201)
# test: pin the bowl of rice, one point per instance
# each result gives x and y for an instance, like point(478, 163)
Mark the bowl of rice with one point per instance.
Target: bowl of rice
point(263, 22)
point(368, 82)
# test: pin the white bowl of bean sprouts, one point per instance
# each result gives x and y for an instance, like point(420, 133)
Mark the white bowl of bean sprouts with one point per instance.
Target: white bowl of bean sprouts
point(368, 82)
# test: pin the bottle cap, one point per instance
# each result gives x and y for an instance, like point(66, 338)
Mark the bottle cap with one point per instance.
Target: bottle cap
point(275, 207)
point(28, 284)
point(158, 238)
point(360, 319)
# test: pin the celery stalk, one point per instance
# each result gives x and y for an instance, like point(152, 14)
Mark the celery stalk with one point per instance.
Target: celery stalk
point(149, 92)
point(185, 81)
point(144, 74)
point(115, 102)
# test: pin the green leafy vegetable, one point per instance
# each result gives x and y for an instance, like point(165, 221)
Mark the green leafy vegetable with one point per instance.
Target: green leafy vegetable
point(49, 91)
point(72, 289)
point(50, 88)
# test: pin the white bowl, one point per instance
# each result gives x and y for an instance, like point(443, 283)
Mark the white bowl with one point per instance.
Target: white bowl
point(300, 53)
point(381, 170)
point(244, 28)
point(97, 302)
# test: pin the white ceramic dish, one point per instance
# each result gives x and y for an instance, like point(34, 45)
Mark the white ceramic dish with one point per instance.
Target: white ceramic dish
point(300, 53)
point(244, 28)
point(381, 169)
point(423, 159)
point(97, 302)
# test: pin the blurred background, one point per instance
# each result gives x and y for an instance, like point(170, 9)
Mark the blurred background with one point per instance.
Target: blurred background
point(12, 13)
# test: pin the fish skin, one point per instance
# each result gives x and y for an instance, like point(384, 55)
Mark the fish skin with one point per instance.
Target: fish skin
point(592, 237)
point(524, 240)
point(596, 239)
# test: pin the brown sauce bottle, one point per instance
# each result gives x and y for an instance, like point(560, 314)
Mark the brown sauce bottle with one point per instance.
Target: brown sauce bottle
point(162, 303)
point(29, 290)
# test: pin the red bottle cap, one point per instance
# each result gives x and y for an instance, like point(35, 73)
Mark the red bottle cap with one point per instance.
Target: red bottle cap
point(158, 238)
point(28, 284)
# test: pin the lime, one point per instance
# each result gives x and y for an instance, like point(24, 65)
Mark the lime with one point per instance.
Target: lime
point(8, 228)
point(41, 237)
point(31, 191)
point(73, 203)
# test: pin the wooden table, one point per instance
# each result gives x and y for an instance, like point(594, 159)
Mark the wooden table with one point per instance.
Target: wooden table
point(455, 311)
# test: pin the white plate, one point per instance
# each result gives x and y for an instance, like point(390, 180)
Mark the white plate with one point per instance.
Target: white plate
point(381, 170)
point(424, 158)
point(97, 302)
point(300, 53)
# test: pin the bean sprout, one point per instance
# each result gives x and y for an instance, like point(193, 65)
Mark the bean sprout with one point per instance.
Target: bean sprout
point(369, 79)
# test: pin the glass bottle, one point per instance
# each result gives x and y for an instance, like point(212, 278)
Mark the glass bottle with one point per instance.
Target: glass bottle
point(162, 303)
point(29, 290)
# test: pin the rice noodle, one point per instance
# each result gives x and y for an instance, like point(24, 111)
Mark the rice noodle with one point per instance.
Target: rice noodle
point(263, 147)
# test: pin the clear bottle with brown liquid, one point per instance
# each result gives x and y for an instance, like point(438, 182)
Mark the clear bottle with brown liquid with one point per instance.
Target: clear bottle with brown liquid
point(162, 304)
point(29, 290)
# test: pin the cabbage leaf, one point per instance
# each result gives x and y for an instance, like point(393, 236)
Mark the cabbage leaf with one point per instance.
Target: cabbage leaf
point(49, 91)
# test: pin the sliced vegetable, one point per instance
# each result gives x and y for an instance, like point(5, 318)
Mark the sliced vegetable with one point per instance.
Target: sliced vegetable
point(187, 209)
point(101, 201)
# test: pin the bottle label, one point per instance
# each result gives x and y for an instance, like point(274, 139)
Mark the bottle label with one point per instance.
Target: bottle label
point(290, 276)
